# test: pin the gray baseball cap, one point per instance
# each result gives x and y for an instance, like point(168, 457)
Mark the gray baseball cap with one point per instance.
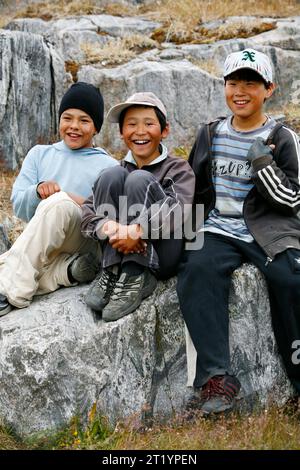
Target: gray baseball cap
point(145, 98)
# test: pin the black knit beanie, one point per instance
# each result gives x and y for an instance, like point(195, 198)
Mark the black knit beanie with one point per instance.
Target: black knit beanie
point(86, 97)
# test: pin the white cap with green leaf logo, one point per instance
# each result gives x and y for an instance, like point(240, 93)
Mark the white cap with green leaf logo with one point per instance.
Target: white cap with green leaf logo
point(249, 59)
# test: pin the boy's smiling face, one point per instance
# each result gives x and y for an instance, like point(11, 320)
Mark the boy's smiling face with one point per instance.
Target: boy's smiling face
point(76, 128)
point(142, 134)
point(245, 98)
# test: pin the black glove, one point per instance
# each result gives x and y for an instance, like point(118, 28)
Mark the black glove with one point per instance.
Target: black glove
point(259, 149)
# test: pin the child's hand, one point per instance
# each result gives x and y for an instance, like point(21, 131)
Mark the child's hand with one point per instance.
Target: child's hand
point(110, 228)
point(127, 239)
point(47, 188)
point(259, 149)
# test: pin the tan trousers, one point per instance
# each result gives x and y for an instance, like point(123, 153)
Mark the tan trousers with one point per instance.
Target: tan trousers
point(38, 260)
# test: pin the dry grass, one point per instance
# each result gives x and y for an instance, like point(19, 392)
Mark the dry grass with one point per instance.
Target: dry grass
point(7, 179)
point(192, 13)
point(180, 34)
point(14, 225)
point(181, 16)
point(180, 26)
point(292, 113)
point(7, 440)
point(269, 430)
point(60, 8)
point(117, 51)
point(272, 429)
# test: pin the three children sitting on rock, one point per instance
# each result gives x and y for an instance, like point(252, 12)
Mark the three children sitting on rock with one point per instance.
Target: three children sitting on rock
point(247, 178)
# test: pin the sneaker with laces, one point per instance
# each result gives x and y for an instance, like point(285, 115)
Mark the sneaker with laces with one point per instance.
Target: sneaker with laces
point(218, 394)
point(100, 290)
point(5, 306)
point(128, 294)
point(84, 268)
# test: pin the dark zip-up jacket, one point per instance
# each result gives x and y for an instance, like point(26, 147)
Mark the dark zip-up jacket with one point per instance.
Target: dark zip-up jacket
point(271, 206)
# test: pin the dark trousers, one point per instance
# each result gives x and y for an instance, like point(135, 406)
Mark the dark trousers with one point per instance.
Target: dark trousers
point(204, 280)
point(139, 187)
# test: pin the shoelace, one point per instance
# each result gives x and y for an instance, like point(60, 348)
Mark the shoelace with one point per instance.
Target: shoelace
point(219, 386)
point(111, 285)
point(106, 281)
point(123, 289)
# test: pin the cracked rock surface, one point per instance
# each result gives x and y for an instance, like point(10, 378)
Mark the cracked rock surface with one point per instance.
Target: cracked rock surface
point(58, 358)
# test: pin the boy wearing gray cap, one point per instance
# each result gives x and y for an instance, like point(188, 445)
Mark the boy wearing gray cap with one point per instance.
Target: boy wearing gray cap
point(53, 183)
point(250, 192)
point(137, 210)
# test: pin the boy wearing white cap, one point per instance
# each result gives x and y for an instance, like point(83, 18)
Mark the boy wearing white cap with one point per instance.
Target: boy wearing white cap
point(136, 209)
point(250, 193)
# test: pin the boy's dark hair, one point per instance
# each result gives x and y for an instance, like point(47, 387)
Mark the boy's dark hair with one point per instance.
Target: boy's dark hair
point(159, 115)
point(247, 75)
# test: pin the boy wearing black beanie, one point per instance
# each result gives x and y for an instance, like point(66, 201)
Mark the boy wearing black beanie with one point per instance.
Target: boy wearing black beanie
point(86, 97)
point(53, 183)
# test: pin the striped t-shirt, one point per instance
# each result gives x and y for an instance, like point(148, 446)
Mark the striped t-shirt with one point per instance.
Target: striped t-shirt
point(232, 172)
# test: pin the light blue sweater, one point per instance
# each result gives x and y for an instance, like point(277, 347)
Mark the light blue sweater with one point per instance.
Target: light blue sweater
point(74, 170)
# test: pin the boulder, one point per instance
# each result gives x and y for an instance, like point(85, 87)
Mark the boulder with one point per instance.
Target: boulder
point(187, 77)
point(187, 91)
point(30, 74)
point(71, 35)
point(189, 80)
point(285, 36)
point(4, 241)
point(58, 358)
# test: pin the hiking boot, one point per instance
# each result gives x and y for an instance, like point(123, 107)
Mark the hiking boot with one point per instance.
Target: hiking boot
point(84, 268)
point(128, 294)
point(218, 394)
point(5, 306)
point(100, 290)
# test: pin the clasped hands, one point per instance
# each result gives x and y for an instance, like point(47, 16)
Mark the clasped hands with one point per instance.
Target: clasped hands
point(125, 238)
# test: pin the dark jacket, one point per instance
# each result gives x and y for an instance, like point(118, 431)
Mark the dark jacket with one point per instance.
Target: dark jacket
point(271, 206)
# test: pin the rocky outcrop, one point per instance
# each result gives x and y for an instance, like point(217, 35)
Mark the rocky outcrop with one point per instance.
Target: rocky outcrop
point(187, 77)
point(70, 35)
point(31, 75)
point(58, 358)
point(181, 85)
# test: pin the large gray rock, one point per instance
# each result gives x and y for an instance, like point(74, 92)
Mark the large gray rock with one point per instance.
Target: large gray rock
point(30, 74)
point(187, 77)
point(189, 80)
point(71, 35)
point(188, 92)
point(57, 358)
point(285, 36)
